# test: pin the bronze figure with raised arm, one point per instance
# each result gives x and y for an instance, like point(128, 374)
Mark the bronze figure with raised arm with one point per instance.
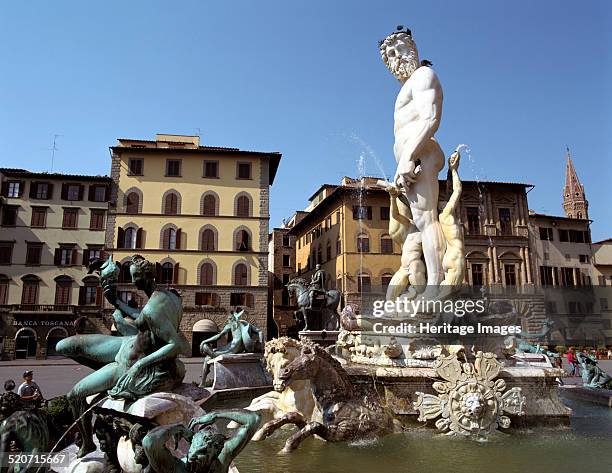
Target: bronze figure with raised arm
point(209, 452)
point(141, 361)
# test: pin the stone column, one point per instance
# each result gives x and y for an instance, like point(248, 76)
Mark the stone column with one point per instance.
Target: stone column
point(491, 276)
point(522, 266)
point(495, 266)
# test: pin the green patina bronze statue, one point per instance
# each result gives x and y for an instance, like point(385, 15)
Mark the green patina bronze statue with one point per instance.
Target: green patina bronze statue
point(141, 361)
point(592, 374)
point(246, 338)
point(209, 452)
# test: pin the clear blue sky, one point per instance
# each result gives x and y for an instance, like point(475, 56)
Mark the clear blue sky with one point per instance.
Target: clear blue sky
point(522, 79)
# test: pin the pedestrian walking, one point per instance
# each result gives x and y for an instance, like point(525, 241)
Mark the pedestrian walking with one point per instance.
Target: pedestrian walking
point(572, 362)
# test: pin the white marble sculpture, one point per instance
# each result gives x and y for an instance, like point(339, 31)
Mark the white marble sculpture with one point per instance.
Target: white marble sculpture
point(470, 400)
point(414, 191)
point(295, 397)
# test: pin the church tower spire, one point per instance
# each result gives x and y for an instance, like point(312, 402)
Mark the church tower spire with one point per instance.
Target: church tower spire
point(575, 203)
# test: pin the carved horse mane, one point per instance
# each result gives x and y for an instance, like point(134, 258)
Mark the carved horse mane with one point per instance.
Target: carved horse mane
point(280, 345)
point(338, 391)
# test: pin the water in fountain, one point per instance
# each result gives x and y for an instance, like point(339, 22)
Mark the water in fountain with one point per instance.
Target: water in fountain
point(367, 152)
point(465, 149)
point(94, 404)
point(360, 194)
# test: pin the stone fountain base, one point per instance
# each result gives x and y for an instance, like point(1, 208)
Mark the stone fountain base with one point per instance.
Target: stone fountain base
point(395, 366)
point(397, 386)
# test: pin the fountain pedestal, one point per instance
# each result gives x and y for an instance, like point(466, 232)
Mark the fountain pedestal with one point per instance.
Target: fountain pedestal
point(324, 338)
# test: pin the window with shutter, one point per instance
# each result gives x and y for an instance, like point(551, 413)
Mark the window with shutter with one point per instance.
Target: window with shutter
point(206, 274)
point(171, 204)
point(4, 289)
point(242, 241)
point(39, 217)
point(173, 167)
point(6, 252)
point(386, 245)
point(243, 170)
point(240, 275)
point(243, 206)
point(211, 169)
point(132, 203)
point(14, 189)
point(62, 292)
point(169, 239)
point(9, 215)
point(29, 295)
point(139, 242)
point(364, 283)
point(33, 253)
point(97, 220)
point(70, 219)
point(74, 192)
point(363, 244)
point(90, 294)
point(209, 207)
point(129, 238)
point(208, 240)
point(136, 167)
point(167, 273)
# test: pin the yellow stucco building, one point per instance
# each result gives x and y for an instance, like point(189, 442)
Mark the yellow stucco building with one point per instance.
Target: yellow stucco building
point(202, 214)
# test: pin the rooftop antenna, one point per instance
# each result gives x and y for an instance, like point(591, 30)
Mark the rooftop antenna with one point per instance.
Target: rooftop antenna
point(199, 131)
point(54, 149)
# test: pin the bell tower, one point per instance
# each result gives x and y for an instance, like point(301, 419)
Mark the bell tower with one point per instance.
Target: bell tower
point(575, 203)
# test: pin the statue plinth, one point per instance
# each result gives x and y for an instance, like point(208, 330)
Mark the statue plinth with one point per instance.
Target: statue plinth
point(239, 371)
point(324, 338)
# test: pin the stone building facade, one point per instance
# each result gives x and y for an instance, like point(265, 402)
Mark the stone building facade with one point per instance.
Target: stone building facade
point(281, 258)
point(202, 214)
point(51, 224)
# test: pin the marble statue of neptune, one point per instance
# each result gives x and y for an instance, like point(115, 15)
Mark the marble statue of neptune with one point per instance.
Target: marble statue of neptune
point(418, 110)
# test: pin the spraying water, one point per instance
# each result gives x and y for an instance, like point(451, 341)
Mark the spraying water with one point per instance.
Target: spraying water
point(360, 194)
point(366, 151)
point(76, 421)
point(481, 200)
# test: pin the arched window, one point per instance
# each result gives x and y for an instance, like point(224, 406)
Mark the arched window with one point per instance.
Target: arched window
point(386, 244)
point(129, 238)
point(207, 240)
point(364, 283)
point(171, 204)
point(167, 273)
point(25, 343)
point(29, 294)
point(132, 203)
point(53, 338)
point(385, 280)
point(207, 273)
point(241, 275)
point(243, 206)
point(363, 243)
point(124, 273)
point(63, 290)
point(209, 205)
point(4, 289)
point(171, 238)
point(243, 240)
